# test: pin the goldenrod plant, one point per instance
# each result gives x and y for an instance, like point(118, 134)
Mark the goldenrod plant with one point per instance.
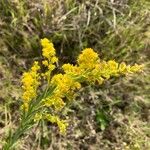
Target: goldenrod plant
point(46, 102)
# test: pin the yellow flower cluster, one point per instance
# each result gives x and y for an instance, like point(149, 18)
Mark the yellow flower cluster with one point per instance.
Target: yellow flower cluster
point(92, 69)
point(48, 53)
point(88, 59)
point(65, 87)
point(89, 69)
point(30, 82)
point(54, 101)
point(48, 50)
point(71, 69)
point(65, 84)
point(62, 124)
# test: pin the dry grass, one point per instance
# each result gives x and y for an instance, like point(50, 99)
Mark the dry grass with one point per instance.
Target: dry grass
point(117, 30)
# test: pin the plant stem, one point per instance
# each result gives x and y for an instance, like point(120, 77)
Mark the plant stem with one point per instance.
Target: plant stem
point(25, 124)
point(27, 120)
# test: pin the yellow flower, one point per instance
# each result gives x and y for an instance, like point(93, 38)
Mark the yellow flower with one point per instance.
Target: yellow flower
point(30, 83)
point(24, 106)
point(88, 59)
point(54, 59)
point(51, 67)
point(54, 101)
point(112, 65)
point(44, 42)
point(62, 124)
point(65, 87)
point(45, 62)
point(72, 70)
point(136, 68)
point(89, 69)
point(48, 50)
point(123, 67)
point(64, 83)
point(37, 117)
point(35, 67)
point(48, 53)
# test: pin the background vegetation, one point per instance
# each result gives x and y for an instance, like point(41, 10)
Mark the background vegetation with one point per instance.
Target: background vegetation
point(113, 116)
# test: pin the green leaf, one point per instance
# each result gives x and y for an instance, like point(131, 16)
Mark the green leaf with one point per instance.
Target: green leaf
point(102, 119)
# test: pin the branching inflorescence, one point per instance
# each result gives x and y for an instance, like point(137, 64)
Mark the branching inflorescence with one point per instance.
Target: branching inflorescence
point(46, 102)
point(89, 69)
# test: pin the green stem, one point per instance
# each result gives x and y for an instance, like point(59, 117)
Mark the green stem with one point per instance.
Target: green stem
point(25, 124)
point(27, 120)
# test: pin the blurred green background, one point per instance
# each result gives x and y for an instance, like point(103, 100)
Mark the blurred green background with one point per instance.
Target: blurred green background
point(112, 116)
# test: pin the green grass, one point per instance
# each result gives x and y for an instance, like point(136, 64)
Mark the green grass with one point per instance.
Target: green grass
point(117, 31)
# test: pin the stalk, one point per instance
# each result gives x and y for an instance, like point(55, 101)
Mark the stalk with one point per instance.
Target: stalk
point(27, 120)
point(25, 124)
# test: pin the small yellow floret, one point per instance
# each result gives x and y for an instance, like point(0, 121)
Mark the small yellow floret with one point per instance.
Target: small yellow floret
point(45, 42)
point(45, 62)
point(62, 124)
